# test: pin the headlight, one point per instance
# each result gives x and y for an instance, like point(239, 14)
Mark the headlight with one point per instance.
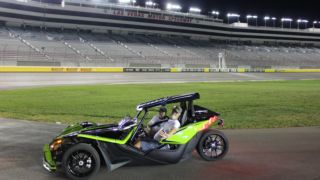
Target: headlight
point(55, 144)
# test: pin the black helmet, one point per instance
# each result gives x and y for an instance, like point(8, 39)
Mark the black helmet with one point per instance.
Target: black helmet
point(163, 109)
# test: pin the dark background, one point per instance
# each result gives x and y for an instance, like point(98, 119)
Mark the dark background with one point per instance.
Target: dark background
point(307, 9)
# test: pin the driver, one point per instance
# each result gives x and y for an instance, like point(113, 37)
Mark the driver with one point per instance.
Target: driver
point(171, 126)
point(154, 125)
point(167, 129)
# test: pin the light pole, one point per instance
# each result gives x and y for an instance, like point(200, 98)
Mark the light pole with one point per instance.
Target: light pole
point(252, 17)
point(173, 7)
point(215, 13)
point(314, 23)
point(306, 24)
point(302, 21)
point(266, 18)
point(274, 21)
point(132, 2)
point(248, 17)
point(230, 15)
point(195, 10)
point(256, 18)
point(285, 20)
point(150, 4)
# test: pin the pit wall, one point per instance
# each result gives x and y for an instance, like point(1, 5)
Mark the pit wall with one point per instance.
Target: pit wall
point(168, 70)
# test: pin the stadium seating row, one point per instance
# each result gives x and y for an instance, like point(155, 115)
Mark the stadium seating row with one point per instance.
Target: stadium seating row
point(78, 49)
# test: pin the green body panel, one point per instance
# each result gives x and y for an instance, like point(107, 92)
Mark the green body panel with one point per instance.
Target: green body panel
point(116, 141)
point(185, 134)
point(48, 157)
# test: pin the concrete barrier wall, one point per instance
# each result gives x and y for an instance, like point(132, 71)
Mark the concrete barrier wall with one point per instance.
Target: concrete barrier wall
point(60, 69)
point(292, 70)
point(120, 70)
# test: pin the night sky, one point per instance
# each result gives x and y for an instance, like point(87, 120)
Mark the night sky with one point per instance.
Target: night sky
point(308, 9)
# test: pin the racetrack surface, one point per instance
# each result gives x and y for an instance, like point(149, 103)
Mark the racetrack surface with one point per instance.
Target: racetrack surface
point(18, 80)
point(292, 153)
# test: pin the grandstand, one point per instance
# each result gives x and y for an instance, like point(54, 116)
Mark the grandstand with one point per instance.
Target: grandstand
point(80, 33)
point(53, 47)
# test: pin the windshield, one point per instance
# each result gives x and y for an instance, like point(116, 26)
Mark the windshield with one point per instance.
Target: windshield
point(128, 121)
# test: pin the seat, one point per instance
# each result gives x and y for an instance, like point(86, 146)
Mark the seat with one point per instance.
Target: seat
point(183, 118)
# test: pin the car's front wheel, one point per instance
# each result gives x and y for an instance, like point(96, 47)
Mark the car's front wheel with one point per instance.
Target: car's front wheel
point(213, 145)
point(81, 161)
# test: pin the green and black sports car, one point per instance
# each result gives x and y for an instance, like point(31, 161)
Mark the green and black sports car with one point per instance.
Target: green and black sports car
point(81, 149)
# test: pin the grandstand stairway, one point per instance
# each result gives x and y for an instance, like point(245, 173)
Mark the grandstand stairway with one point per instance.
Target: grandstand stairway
point(96, 49)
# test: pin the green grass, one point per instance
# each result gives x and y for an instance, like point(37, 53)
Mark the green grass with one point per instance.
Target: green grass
point(242, 104)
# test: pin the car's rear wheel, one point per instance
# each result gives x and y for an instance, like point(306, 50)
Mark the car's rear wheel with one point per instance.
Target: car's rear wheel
point(81, 162)
point(213, 145)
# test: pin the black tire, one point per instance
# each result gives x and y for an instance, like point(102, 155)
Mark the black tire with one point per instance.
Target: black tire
point(213, 145)
point(81, 162)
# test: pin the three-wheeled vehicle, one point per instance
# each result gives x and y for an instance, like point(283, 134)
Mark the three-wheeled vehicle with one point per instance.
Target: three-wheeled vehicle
point(81, 149)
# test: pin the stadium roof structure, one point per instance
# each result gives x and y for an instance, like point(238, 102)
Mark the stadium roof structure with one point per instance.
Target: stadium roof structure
point(118, 18)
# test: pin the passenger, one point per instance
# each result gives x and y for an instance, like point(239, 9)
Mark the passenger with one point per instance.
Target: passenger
point(154, 125)
point(171, 126)
point(167, 129)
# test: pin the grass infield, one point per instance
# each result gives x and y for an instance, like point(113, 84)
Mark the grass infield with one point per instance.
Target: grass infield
point(242, 104)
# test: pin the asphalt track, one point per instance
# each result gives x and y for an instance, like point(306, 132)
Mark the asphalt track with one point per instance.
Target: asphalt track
point(292, 154)
point(22, 80)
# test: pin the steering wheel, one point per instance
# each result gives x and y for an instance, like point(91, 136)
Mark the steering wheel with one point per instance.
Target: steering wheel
point(142, 132)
